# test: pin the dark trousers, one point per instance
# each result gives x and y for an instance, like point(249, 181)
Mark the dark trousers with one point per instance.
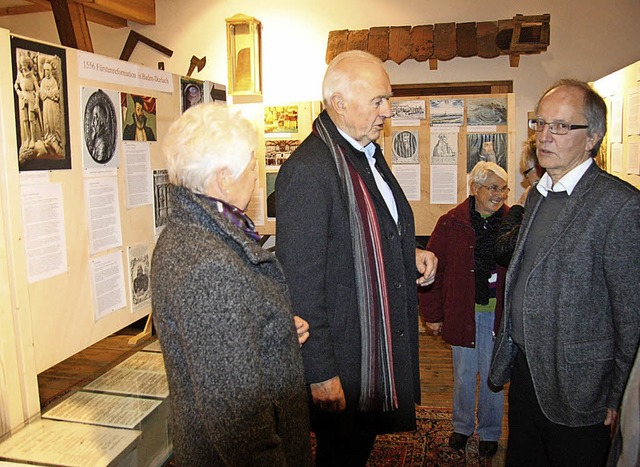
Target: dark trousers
point(534, 440)
point(344, 439)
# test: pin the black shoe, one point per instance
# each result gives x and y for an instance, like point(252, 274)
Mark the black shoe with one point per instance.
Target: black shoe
point(487, 448)
point(458, 441)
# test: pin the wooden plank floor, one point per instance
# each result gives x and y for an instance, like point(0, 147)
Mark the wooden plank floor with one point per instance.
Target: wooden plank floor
point(436, 382)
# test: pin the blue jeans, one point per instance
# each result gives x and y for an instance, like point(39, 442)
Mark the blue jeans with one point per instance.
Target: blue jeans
point(467, 363)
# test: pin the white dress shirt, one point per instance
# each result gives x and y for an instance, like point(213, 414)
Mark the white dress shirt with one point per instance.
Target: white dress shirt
point(383, 187)
point(566, 183)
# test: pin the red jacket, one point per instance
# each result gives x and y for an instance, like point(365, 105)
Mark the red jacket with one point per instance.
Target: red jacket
point(451, 298)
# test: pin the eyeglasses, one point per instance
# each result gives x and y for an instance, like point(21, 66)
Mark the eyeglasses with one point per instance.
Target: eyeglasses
point(556, 128)
point(526, 172)
point(496, 190)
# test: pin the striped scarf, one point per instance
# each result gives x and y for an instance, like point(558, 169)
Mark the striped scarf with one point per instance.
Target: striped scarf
point(377, 390)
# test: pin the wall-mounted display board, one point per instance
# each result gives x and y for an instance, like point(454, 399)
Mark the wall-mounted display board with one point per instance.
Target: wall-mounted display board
point(83, 195)
point(432, 143)
point(621, 147)
point(283, 127)
point(79, 194)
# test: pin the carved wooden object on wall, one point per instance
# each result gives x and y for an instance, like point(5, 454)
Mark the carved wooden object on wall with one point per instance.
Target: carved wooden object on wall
point(196, 62)
point(133, 39)
point(444, 41)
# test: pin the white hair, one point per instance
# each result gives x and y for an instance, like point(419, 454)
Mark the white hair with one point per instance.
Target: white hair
point(483, 170)
point(206, 138)
point(338, 77)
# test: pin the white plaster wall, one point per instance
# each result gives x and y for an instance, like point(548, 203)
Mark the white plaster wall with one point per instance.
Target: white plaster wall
point(589, 39)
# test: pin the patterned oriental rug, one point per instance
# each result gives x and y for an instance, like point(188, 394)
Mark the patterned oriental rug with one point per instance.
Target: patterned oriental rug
point(427, 446)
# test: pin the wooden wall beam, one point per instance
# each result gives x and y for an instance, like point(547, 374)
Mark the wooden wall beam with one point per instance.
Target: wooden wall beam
point(71, 22)
point(138, 11)
point(111, 13)
point(23, 10)
point(105, 19)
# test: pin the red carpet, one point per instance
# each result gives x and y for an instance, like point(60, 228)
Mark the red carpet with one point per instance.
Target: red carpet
point(427, 446)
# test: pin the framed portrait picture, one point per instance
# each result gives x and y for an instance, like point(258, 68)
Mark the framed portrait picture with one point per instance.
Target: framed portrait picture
point(191, 92)
point(489, 147)
point(100, 128)
point(41, 105)
point(138, 117)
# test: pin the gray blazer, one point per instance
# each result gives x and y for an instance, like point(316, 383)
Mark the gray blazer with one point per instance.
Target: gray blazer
point(581, 302)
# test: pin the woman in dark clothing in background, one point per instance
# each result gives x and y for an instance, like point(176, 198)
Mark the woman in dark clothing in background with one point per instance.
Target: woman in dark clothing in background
point(508, 233)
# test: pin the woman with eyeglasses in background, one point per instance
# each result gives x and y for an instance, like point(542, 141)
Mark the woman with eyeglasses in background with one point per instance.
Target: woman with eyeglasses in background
point(508, 234)
point(464, 304)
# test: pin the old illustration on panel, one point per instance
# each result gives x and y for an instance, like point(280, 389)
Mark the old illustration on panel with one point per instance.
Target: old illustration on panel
point(41, 106)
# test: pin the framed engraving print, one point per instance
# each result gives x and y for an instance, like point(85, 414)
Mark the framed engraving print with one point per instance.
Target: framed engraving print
point(41, 105)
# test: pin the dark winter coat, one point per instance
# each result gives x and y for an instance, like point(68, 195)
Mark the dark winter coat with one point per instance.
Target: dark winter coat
point(313, 243)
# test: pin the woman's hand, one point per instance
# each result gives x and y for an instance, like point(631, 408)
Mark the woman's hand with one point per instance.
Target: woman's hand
point(435, 328)
point(302, 328)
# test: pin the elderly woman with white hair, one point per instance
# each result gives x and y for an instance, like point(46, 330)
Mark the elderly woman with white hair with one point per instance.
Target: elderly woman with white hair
point(221, 306)
point(464, 304)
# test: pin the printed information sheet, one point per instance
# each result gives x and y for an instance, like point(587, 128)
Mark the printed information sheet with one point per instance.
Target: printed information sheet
point(142, 374)
point(103, 409)
point(69, 444)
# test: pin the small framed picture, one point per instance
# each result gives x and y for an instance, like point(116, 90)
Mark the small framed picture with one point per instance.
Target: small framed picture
point(41, 105)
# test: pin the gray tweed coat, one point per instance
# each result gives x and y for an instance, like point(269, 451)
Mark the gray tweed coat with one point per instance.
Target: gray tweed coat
point(224, 319)
point(581, 302)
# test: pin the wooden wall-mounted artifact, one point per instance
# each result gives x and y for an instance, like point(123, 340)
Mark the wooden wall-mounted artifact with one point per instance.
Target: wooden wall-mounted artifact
point(358, 40)
point(132, 41)
point(196, 62)
point(399, 43)
point(244, 55)
point(379, 43)
point(421, 43)
point(444, 38)
point(487, 32)
point(466, 40)
point(520, 35)
point(338, 44)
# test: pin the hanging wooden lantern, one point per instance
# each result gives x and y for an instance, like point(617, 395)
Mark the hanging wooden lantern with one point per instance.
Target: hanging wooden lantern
point(244, 55)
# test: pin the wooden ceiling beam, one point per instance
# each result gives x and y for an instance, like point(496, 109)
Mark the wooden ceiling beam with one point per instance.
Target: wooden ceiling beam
point(111, 13)
point(138, 11)
point(105, 19)
point(72, 25)
point(23, 10)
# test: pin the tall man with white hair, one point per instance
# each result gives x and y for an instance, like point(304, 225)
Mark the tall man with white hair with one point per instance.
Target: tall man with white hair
point(345, 238)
